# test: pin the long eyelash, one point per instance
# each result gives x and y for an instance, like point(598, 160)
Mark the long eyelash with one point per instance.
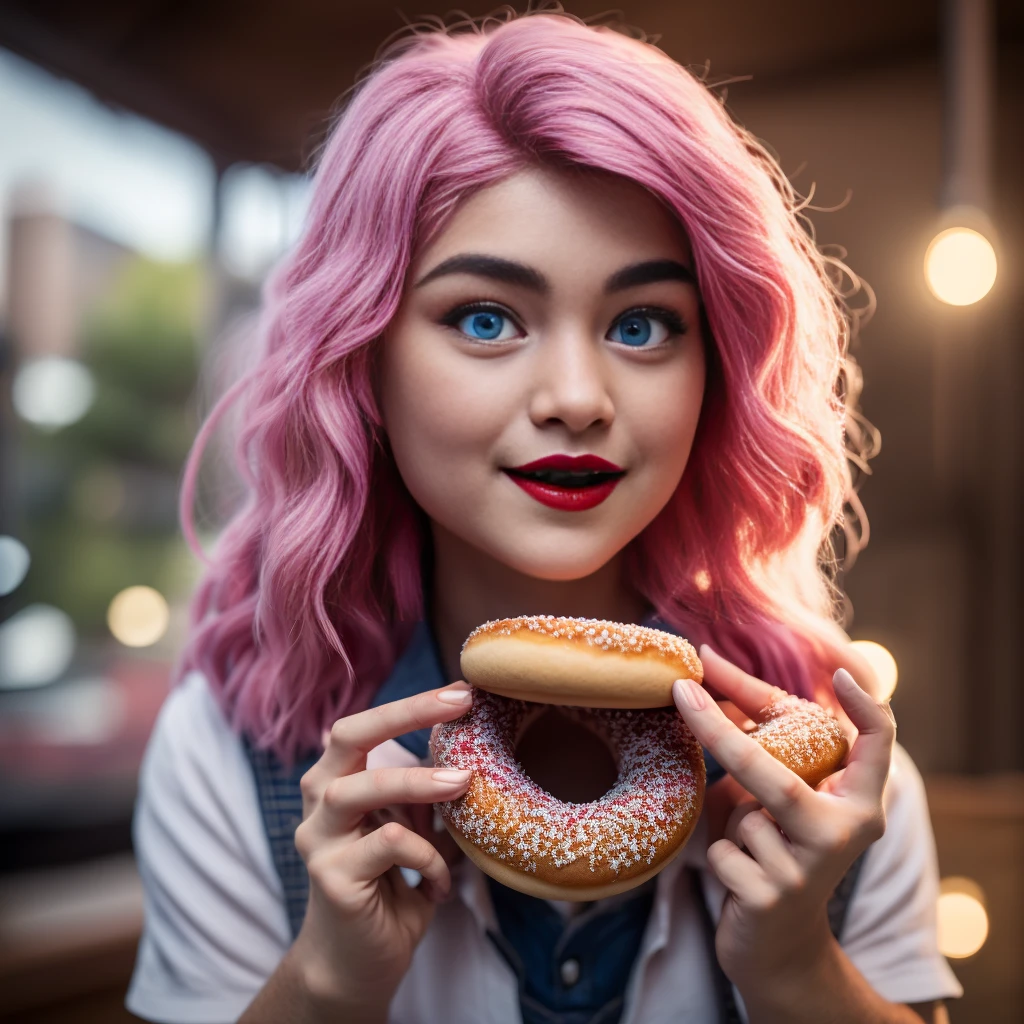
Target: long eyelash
point(671, 320)
point(453, 316)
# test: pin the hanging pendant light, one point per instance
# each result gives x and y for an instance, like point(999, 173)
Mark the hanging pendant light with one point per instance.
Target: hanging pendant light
point(960, 264)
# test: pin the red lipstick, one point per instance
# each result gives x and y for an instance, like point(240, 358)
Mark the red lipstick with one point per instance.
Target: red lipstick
point(569, 483)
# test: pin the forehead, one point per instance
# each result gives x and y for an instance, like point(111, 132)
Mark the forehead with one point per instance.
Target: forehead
point(545, 217)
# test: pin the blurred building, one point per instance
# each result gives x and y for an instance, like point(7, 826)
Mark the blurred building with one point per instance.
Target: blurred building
point(57, 270)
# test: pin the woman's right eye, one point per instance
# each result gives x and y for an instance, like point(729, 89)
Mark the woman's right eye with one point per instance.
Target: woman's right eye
point(485, 325)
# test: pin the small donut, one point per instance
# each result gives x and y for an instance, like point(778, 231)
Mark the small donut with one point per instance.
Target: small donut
point(527, 839)
point(803, 736)
point(588, 662)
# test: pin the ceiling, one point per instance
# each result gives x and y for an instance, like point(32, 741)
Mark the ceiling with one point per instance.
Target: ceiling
point(256, 80)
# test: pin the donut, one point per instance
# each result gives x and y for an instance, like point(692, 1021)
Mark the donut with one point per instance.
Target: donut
point(589, 662)
point(616, 680)
point(803, 736)
point(529, 840)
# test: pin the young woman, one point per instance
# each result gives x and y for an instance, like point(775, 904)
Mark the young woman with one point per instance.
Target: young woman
point(533, 240)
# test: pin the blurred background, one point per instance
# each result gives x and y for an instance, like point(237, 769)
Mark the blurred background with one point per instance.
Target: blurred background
point(152, 166)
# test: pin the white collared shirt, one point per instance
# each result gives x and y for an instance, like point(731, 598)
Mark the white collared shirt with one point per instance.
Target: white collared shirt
point(216, 925)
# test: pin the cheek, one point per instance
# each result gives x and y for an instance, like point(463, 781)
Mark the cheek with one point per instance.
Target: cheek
point(664, 418)
point(440, 419)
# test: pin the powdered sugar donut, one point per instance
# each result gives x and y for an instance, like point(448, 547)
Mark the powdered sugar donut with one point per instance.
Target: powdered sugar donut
point(531, 841)
point(803, 736)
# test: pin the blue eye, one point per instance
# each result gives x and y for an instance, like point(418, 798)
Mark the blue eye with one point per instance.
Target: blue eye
point(486, 325)
point(637, 329)
point(646, 327)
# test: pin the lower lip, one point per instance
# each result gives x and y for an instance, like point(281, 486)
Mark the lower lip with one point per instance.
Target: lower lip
point(566, 499)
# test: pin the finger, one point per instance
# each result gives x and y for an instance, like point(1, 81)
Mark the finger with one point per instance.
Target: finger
point(846, 655)
point(740, 873)
point(867, 765)
point(750, 694)
point(786, 796)
point(349, 797)
point(750, 827)
point(738, 813)
point(738, 717)
point(352, 738)
point(391, 846)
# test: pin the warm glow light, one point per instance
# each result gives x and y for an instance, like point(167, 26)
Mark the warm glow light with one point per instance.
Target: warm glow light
point(138, 616)
point(963, 922)
point(884, 665)
point(960, 266)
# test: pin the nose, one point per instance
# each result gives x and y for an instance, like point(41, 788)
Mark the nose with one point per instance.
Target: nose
point(572, 383)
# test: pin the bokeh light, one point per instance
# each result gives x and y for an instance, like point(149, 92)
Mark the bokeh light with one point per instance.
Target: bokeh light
point(14, 563)
point(138, 616)
point(884, 665)
point(53, 392)
point(960, 266)
point(36, 647)
point(962, 918)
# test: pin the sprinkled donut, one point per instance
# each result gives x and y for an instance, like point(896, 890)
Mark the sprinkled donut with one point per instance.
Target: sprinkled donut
point(529, 840)
point(616, 680)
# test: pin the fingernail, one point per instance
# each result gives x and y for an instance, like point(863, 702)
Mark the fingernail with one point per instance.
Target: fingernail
point(844, 678)
point(690, 693)
point(703, 648)
point(455, 696)
point(450, 776)
point(325, 738)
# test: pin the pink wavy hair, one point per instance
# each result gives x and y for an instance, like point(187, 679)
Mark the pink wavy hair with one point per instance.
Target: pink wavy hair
point(314, 584)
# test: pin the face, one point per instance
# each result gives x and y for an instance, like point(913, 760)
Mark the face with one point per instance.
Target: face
point(542, 380)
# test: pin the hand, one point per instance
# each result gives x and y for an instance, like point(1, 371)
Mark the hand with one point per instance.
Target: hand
point(363, 921)
point(423, 819)
point(784, 855)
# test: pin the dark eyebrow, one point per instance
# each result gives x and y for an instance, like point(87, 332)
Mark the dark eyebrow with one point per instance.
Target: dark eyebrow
point(649, 272)
point(493, 267)
point(508, 271)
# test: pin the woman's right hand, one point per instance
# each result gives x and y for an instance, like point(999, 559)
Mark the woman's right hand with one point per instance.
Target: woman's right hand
point(363, 921)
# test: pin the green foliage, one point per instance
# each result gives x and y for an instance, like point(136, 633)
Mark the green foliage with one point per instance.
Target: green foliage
point(142, 338)
point(80, 567)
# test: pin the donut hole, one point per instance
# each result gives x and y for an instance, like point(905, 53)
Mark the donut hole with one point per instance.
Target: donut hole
point(565, 758)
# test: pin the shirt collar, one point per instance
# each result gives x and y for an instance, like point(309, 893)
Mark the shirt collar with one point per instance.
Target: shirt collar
point(419, 669)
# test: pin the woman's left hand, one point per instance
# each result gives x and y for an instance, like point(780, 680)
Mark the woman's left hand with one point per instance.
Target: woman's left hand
point(783, 855)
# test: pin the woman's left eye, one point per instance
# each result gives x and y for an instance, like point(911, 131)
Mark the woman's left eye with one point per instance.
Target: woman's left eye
point(487, 325)
point(643, 330)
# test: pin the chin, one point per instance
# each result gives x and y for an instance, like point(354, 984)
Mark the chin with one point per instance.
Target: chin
point(559, 562)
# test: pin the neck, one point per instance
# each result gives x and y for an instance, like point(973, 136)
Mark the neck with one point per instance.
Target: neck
point(469, 587)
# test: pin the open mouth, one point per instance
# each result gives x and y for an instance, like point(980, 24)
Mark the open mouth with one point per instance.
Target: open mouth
point(571, 483)
point(566, 478)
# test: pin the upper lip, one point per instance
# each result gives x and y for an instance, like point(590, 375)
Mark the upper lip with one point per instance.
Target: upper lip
point(569, 463)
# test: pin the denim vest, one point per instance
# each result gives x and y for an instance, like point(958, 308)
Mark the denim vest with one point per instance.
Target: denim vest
point(569, 972)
